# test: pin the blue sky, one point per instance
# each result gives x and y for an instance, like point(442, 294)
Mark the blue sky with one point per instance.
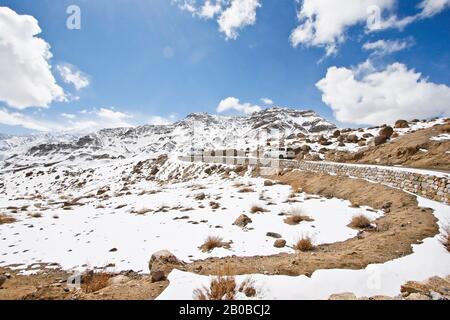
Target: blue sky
point(146, 59)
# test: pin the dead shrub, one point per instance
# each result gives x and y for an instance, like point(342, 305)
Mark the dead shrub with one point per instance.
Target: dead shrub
point(296, 216)
point(221, 288)
point(445, 239)
point(213, 242)
point(224, 286)
point(360, 222)
point(94, 281)
point(304, 244)
point(4, 219)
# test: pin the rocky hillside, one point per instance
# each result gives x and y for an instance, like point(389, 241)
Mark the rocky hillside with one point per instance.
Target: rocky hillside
point(198, 130)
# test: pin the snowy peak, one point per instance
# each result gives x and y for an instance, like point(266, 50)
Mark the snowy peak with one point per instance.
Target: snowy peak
point(200, 130)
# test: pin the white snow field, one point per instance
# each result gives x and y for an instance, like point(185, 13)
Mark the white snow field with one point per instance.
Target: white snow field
point(85, 235)
point(429, 259)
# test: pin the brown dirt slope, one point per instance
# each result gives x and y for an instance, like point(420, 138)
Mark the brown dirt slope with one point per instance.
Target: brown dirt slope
point(405, 150)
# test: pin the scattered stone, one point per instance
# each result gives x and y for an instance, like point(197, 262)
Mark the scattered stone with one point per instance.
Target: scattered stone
point(242, 221)
point(273, 235)
point(279, 243)
point(401, 124)
point(386, 132)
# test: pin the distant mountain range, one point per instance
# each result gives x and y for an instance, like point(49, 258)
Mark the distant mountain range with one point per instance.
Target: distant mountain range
point(199, 130)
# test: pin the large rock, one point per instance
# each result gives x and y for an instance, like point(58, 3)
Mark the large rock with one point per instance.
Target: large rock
point(273, 235)
point(353, 138)
point(2, 280)
point(401, 124)
point(163, 262)
point(380, 140)
point(386, 132)
point(242, 221)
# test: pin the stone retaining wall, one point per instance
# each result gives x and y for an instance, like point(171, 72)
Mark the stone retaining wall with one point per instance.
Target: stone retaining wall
point(428, 186)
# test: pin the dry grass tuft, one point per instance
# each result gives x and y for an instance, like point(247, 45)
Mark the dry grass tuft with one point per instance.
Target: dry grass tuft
point(296, 216)
point(213, 242)
point(360, 222)
point(94, 281)
point(4, 219)
point(221, 288)
point(445, 239)
point(304, 244)
point(224, 286)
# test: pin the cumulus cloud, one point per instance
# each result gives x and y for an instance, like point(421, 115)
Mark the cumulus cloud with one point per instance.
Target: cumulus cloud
point(240, 14)
point(26, 79)
point(68, 115)
point(364, 95)
point(232, 103)
point(267, 101)
point(71, 75)
point(159, 121)
point(323, 23)
point(232, 15)
point(385, 47)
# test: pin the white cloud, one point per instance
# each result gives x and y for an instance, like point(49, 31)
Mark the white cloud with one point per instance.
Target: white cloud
point(368, 96)
point(432, 7)
point(70, 74)
point(68, 116)
point(267, 101)
point(385, 47)
point(26, 79)
point(209, 9)
point(18, 119)
point(232, 103)
point(240, 14)
point(113, 119)
point(232, 15)
point(323, 23)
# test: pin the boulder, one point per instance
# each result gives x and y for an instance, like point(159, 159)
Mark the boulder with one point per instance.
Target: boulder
point(158, 276)
point(336, 134)
point(401, 124)
point(163, 257)
point(279, 243)
point(380, 140)
point(386, 132)
point(242, 221)
point(353, 138)
point(2, 280)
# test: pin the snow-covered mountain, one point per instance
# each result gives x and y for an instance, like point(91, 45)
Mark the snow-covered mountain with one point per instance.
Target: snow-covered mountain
point(199, 130)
